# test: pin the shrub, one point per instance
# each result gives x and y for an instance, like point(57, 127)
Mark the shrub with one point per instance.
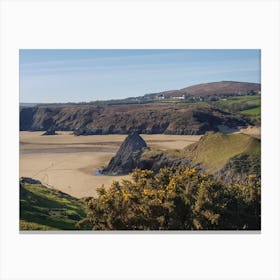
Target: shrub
point(181, 199)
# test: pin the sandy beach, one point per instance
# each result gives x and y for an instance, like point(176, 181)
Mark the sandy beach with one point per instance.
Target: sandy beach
point(70, 163)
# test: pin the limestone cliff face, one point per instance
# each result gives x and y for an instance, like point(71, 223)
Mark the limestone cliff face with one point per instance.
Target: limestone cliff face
point(128, 155)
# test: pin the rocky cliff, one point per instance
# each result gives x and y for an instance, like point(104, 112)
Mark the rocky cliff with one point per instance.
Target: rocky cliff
point(123, 119)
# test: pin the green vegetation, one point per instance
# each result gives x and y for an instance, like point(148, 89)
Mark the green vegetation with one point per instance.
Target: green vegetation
point(23, 225)
point(248, 106)
point(215, 149)
point(252, 112)
point(242, 165)
point(211, 153)
point(181, 199)
point(238, 104)
point(185, 102)
point(42, 208)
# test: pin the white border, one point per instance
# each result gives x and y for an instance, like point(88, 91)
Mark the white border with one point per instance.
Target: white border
point(146, 24)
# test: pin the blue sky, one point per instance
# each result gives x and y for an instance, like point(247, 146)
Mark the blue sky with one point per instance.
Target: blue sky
point(88, 75)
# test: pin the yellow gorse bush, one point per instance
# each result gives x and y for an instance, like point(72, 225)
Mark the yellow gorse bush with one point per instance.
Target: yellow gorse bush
point(183, 199)
point(190, 171)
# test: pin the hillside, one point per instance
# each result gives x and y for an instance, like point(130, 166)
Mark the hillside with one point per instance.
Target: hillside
point(214, 150)
point(216, 88)
point(42, 208)
point(123, 119)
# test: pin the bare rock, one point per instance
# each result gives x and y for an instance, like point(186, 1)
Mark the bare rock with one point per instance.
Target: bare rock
point(50, 131)
point(128, 155)
point(29, 180)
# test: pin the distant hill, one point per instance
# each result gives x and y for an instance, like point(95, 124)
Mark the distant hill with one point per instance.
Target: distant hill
point(190, 110)
point(210, 89)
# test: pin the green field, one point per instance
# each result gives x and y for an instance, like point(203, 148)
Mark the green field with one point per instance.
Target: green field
point(42, 208)
point(249, 105)
point(238, 104)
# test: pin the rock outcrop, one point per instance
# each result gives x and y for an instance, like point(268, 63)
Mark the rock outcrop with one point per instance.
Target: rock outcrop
point(155, 160)
point(50, 131)
point(134, 153)
point(127, 157)
point(29, 180)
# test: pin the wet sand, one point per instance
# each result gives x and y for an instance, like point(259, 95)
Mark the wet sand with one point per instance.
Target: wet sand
point(69, 163)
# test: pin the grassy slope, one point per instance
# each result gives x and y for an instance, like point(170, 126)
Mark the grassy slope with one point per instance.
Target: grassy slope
point(252, 112)
point(215, 149)
point(212, 151)
point(42, 208)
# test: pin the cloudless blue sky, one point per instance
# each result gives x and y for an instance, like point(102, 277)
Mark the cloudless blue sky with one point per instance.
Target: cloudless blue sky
point(88, 75)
